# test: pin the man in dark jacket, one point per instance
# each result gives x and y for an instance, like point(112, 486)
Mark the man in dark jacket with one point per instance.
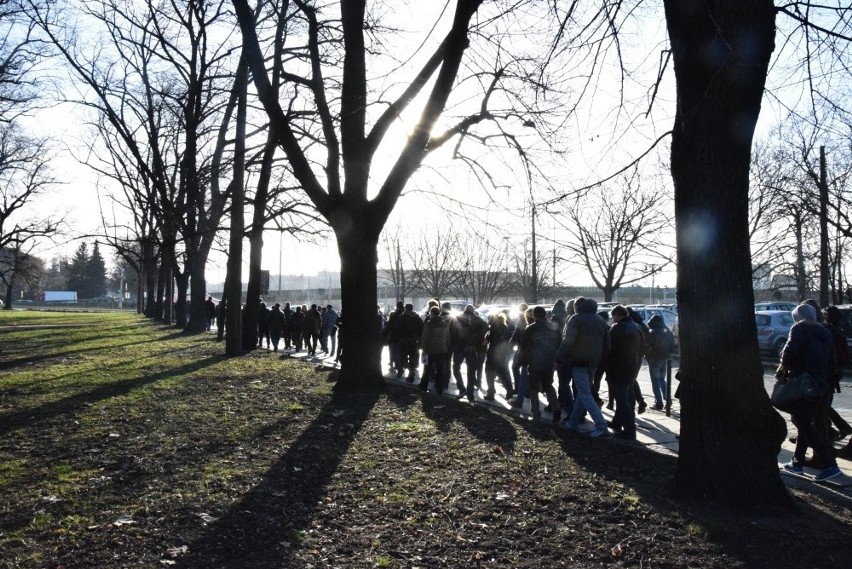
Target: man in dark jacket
point(276, 322)
point(660, 345)
point(468, 334)
point(286, 333)
point(537, 350)
point(622, 366)
point(583, 348)
point(409, 331)
point(297, 322)
point(311, 327)
point(263, 326)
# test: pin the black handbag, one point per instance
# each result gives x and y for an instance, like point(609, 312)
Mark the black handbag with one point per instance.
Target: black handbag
point(790, 390)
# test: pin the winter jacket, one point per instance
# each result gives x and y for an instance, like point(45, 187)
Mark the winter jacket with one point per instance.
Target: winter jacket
point(559, 315)
point(312, 322)
point(809, 348)
point(409, 327)
point(329, 319)
point(263, 319)
point(276, 320)
point(468, 330)
point(625, 353)
point(538, 346)
point(436, 336)
point(659, 340)
point(586, 341)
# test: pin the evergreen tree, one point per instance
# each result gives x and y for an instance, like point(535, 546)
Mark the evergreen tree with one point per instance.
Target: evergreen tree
point(96, 274)
point(77, 271)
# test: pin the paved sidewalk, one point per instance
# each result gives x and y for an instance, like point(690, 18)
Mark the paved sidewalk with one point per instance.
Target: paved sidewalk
point(658, 431)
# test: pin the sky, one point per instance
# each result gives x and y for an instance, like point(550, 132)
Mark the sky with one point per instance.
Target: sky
point(596, 144)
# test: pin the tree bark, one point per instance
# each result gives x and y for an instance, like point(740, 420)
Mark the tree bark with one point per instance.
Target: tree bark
point(730, 434)
point(360, 334)
point(233, 327)
point(250, 315)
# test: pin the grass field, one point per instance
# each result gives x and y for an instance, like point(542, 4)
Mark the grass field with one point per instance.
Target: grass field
point(124, 443)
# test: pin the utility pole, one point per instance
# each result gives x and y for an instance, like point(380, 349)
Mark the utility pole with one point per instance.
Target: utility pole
point(823, 230)
point(534, 284)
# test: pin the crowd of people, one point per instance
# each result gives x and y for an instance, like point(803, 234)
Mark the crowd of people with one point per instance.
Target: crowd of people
point(580, 346)
point(575, 343)
point(300, 327)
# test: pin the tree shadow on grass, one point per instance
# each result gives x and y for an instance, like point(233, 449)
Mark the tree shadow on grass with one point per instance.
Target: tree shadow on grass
point(259, 530)
point(484, 425)
point(26, 417)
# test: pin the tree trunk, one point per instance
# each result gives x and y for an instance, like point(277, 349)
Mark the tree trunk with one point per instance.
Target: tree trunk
point(250, 315)
point(730, 434)
point(359, 336)
point(149, 264)
point(233, 327)
point(181, 284)
point(9, 294)
point(196, 267)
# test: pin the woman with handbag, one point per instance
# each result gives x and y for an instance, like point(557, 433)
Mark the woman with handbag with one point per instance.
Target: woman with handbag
point(810, 350)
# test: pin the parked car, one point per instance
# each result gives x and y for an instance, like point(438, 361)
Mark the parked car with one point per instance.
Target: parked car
point(764, 306)
point(672, 307)
point(646, 312)
point(773, 326)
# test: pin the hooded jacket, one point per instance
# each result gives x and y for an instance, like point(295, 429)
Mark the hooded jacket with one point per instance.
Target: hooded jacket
point(660, 340)
point(586, 341)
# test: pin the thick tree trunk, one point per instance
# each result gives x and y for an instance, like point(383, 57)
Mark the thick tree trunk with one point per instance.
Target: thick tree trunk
point(250, 315)
point(196, 267)
point(360, 334)
point(181, 284)
point(233, 327)
point(9, 294)
point(730, 434)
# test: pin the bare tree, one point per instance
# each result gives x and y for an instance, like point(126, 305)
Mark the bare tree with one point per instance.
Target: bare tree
point(160, 85)
point(331, 132)
point(436, 261)
point(24, 178)
point(485, 273)
point(617, 234)
point(396, 247)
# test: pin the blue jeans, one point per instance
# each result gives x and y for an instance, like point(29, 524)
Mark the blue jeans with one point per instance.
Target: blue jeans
point(657, 371)
point(624, 415)
point(329, 334)
point(470, 358)
point(585, 402)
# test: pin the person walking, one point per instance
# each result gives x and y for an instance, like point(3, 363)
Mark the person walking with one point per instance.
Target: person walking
point(263, 326)
point(585, 344)
point(209, 312)
point(435, 343)
point(391, 334)
point(297, 324)
point(409, 330)
point(468, 335)
point(496, 356)
point(660, 345)
point(623, 364)
point(329, 330)
point(276, 322)
point(311, 329)
point(636, 390)
point(519, 372)
point(287, 334)
point(810, 349)
point(537, 350)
